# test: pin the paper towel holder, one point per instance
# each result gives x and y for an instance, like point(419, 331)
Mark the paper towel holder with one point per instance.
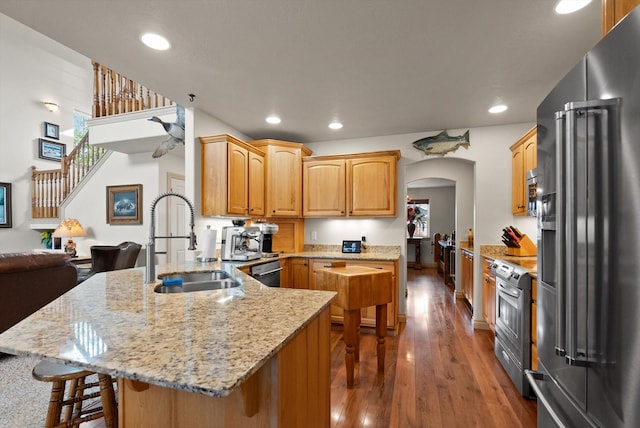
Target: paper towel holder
point(208, 253)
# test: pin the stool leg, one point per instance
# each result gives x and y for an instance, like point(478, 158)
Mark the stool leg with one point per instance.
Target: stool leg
point(55, 404)
point(350, 339)
point(381, 331)
point(76, 389)
point(356, 351)
point(108, 398)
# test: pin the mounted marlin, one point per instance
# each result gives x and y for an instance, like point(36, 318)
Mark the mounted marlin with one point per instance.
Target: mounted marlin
point(442, 143)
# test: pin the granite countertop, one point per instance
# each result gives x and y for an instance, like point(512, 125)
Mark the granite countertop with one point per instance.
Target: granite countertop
point(382, 253)
point(208, 342)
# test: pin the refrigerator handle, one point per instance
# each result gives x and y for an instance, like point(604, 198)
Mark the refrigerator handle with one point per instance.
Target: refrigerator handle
point(561, 308)
point(569, 237)
point(533, 377)
point(603, 112)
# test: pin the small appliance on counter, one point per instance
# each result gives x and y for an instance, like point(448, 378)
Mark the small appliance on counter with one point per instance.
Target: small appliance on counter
point(240, 243)
point(267, 230)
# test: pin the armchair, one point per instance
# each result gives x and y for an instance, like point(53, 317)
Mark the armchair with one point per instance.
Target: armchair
point(106, 258)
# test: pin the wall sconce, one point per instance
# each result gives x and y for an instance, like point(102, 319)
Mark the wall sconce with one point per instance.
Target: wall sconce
point(51, 106)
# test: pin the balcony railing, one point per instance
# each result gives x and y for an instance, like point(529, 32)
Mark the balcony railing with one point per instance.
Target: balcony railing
point(113, 94)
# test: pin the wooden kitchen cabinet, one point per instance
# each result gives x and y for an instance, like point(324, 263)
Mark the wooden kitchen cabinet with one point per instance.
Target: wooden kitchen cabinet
point(232, 177)
point(524, 157)
point(299, 268)
point(324, 184)
point(355, 185)
point(466, 275)
point(285, 273)
point(256, 184)
point(283, 182)
point(488, 293)
point(614, 10)
point(368, 315)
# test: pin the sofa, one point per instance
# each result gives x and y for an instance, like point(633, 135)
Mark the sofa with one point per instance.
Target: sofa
point(30, 280)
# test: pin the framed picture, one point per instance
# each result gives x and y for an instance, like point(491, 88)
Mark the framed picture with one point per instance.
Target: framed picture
point(51, 150)
point(124, 204)
point(5, 204)
point(51, 131)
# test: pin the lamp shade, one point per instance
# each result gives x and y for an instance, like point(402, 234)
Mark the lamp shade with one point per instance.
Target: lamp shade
point(69, 227)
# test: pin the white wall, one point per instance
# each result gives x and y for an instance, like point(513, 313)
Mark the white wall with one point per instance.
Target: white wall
point(34, 69)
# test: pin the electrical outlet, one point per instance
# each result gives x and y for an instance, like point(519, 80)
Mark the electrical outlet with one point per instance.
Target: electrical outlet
point(364, 238)
point(314, 235)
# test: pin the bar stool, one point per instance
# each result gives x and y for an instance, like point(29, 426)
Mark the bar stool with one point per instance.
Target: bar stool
point(74, 409)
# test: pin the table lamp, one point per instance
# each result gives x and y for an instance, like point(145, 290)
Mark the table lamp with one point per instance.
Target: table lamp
point(69, 227)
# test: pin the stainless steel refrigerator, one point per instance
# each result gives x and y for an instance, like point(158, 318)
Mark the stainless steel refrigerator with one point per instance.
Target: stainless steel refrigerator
point(588, 312)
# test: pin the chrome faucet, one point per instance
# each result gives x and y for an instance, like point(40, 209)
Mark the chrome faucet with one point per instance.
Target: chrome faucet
point(151, 246)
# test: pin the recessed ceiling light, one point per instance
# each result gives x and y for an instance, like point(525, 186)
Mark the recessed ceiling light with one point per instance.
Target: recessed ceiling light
point(155, 41)
point(335, 125)
point(569, 6)
point(498, 109)
point(274, 120)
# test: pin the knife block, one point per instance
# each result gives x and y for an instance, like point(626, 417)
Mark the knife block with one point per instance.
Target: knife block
point(527, 248)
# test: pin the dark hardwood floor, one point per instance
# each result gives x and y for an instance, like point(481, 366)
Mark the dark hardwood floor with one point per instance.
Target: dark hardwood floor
point(439, 372)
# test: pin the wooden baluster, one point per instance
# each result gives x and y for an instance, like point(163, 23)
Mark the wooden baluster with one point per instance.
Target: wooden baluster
point(108, 106)
point(120, 93)
point(103, 109)
point(94, 108)
point(34, 193)
point(148, 99)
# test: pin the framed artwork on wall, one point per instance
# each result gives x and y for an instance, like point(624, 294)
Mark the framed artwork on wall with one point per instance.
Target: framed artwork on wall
point(51, 131)
point(51, 150)
point(5, 205)
point(124, 204)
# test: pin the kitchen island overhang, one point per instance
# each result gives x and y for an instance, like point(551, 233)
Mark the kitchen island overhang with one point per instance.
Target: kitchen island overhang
point(207, 342)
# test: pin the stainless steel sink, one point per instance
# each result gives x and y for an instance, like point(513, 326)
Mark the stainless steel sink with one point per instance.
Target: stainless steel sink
point(196, 281)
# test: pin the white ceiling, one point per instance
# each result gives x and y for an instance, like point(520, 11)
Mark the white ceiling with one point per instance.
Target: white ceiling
point(380, 66)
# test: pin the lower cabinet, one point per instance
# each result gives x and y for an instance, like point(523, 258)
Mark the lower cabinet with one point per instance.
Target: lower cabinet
point(368, 315)
point(488, 293)
point(299, 273)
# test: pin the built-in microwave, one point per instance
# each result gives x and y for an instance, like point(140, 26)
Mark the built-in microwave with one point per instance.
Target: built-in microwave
point(532, 192)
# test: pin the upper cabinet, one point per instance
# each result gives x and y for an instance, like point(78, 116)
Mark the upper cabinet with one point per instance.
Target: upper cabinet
point(614, 10)
point(523, 158)
point(232, 177)
point(324, 184)
point(283, 182)
point(356, 185)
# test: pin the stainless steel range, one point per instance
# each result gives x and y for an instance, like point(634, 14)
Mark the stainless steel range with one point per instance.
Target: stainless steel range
point(513, 321)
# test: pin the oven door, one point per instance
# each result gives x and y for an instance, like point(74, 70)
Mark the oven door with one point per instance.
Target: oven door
point(509, 319)
point(267, 273)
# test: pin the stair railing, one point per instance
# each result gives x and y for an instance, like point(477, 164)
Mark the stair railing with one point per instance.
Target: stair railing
point(51, 187)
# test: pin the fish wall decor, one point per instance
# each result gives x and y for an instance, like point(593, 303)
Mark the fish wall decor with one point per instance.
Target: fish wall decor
point(442, 143)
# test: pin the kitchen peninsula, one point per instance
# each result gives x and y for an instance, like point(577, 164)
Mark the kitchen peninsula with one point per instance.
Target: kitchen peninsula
point(232, 357)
